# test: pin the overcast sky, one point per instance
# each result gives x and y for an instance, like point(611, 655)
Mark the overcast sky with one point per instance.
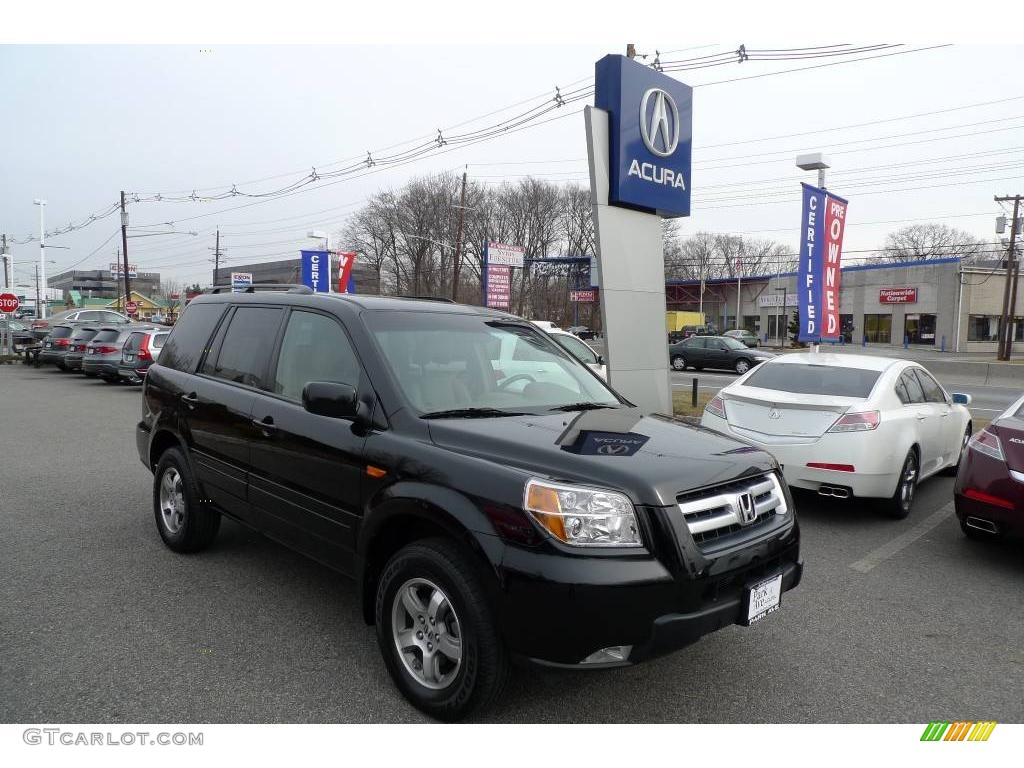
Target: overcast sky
point(82, 123)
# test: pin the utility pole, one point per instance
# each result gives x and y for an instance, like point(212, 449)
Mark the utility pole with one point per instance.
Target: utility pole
point(40, 309)
point(8, 277)
point(458, 241)
point(118, 284)
point(124, 249)
point(1006, 318)
point(216, 260)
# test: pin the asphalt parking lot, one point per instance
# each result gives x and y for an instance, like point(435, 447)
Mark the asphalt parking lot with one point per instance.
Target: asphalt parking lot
point(895, 621)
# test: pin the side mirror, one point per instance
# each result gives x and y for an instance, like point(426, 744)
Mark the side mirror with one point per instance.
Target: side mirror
point(328, 398)
point(959, 398)
point(600, 359)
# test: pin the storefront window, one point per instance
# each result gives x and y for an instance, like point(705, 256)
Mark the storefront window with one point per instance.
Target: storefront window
point(752, 323)
point(1018, 333)
point(919, 329)
point(878, 328)
point(982, 327)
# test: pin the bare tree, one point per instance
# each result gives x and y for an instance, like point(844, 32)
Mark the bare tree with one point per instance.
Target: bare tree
point(931, 241)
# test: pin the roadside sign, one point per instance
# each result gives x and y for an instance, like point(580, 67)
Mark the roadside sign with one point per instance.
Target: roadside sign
point(240, 281)
point(131, 307)
point(499, 286)
point(582, 297)
point(9, 302)
point(507, 255)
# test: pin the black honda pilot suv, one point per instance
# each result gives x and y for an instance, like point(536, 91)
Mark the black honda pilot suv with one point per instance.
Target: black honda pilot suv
point(494, 500)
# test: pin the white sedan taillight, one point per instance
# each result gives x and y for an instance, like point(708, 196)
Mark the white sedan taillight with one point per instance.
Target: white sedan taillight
point(716, 407)
point(861, 421)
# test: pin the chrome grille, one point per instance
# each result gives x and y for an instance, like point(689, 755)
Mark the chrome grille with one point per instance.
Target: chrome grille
point(716, 513)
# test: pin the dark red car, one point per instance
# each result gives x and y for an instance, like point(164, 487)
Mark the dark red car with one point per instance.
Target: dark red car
point(989, 490)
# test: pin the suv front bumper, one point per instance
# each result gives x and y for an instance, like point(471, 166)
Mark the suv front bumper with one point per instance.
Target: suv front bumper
point(559, 610)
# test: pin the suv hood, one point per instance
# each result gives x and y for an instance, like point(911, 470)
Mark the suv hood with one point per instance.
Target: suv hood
point(650, 458)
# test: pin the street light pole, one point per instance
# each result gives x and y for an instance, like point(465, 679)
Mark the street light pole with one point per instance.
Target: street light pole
point(41, 308)
point(124, 250)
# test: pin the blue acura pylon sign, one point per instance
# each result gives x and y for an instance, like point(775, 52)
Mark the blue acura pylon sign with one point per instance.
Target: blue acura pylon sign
point(650, 136)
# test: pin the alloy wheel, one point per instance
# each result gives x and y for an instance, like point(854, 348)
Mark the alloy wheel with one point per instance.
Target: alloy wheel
point(172, 500)
point(427, 633)
point(908, 482)
point(742, 367)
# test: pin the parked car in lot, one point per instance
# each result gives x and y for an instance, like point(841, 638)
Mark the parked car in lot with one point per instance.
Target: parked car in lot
point(106, 316)
point(582, 332)
point(847, 425)
point(80, 338)
point(19, 332)
point(484, 517)
point(579, 349)
point(989, 490)
point(141, 350)
point(55, 345)
point(742, 334)
point(103, 354)
point(722, 352)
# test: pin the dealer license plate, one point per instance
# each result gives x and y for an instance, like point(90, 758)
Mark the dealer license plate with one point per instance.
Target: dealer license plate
point(92, 351)
point(129, 358)
point(764, 598)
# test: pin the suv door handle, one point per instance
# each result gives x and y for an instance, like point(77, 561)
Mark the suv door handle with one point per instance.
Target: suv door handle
point(191, 399)
point(267, 426)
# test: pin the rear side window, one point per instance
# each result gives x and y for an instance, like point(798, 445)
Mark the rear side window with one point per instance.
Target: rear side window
point(190, 336)
point(932, 391)
point(806, 379)
point(158, 340)
point(106, 334)
point(913, 389)
point(134, 343)
point(61, 332)
point(245, 348)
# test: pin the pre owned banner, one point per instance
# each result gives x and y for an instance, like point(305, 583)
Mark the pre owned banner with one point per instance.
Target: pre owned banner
point(345, 261)
point(316, 270)
point(823, 221)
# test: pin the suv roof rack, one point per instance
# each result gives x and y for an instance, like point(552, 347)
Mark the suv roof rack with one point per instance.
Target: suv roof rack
point(288, 287)
point(429, 298)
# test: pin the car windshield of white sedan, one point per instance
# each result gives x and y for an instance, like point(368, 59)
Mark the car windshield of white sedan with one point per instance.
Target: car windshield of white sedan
point(814, 379)
point(473, 366)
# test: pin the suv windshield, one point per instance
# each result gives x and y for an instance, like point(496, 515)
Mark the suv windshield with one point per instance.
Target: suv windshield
point(453, 362)
point(815, 379)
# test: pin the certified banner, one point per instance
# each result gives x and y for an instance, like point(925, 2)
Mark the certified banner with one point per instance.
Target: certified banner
point(316, 270)
point(822, 223)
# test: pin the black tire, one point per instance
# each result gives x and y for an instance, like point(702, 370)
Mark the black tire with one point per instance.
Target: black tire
point(742, 366)
point(963, 448)
point(199, 522)
point(678, 363)
point(484, 667)
point(899, 505)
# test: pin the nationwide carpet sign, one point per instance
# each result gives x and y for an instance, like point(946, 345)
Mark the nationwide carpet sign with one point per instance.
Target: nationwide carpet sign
point(822, 222)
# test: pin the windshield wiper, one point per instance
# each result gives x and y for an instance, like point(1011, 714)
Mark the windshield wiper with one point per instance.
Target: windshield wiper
point(582, 407)
point(469, 413)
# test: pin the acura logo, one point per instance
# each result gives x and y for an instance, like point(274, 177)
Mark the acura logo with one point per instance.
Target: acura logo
point(774, 413)
point(745, 504)
point(659, 119)
point(613, 450)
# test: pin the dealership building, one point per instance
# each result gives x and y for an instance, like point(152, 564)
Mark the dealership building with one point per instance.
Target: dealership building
point(945, 303)
point(103, 283)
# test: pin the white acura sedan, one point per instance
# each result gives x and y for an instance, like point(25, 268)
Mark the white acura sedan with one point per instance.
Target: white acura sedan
point(847, 425)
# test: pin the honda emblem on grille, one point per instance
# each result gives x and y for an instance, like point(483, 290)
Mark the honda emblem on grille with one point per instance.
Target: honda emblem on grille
point(745, 504)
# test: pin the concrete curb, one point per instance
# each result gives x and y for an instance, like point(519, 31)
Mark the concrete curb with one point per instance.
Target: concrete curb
point(971, 372)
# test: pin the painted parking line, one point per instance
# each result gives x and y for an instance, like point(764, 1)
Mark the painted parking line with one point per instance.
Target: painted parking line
point(901, 542)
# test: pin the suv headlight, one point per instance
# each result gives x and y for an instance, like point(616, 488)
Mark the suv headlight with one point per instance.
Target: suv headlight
point(583, 517)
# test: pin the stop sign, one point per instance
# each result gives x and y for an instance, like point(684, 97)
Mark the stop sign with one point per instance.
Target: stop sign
point(131, 307)
point(9, 302)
